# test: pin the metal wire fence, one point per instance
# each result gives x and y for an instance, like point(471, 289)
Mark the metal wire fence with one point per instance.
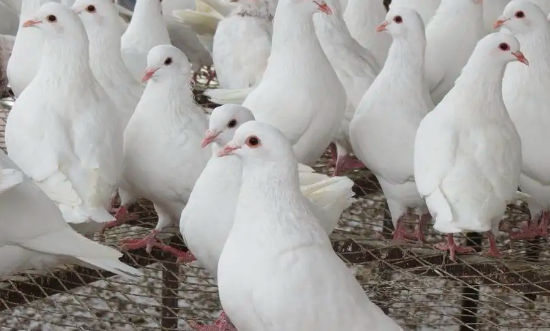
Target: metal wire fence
point(418, 286)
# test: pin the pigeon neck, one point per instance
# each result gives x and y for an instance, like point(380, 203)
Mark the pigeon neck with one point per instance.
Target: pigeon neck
point(536, 46)
point(147, 23)
point(105, 57)
point(29, 9)
point(407, 57)
point(60, 55)
point(173, 86)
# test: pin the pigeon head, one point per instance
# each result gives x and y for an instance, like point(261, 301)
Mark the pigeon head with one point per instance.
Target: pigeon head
point(258, 141)
point(224, 121)
point(500, 47)
point(165, 61)
point(402, 22)
point(96, 13)
point(312, 6)
point(522, 16)
point(56, 20)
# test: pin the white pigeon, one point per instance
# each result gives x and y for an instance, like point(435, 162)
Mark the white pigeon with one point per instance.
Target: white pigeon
point(362, 17)
point(289, 276)
point(38, 237)
point(146, 30)
point(492, 9)
point(61, 131)
point(525, 95)
point(356, 69)
point(426, 8)
point(162, 142)
point(300, 93)
point(383, 129)
point(6, 48)
point(450, 42)
point(467, 158)
point(242, 45)
point(208, 216)
point(102, 24)
point(543, 4)
point(27, 50)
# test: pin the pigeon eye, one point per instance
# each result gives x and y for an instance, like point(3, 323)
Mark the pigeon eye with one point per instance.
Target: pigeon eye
point(168, 61)
point(253, 141)
point(398, 19)
point(232, 123)
point(520, 14)
point(51, 18)
point(504, 47)
point(90, 9)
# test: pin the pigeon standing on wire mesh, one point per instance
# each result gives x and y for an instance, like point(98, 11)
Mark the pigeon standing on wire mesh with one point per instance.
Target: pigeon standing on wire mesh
point(242, 45)
point(383, 129)
point(450, 42)
point(27, 50)
point(61, 130)
point(362, 17)
point(38, 237)
point(102, 25)
point(356, 68)
point(300, 95)
point(146, 30)
point(467, 158)
point(426, 8)
point(288, 275)
point(205, 222)
point(525, 92)
point(162, 143)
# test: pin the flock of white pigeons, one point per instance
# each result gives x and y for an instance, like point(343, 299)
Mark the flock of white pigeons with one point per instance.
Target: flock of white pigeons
point(443, 100)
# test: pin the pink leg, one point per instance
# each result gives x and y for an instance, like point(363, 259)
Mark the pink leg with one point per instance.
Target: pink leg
point(222, 324)
point(121, 217)
point(400, 232)
point(346, 162)
point(421, 227)
point(543, 226)
point(493, 249)
point(148, 242)
point(452, 247)
point(183, 257)
point(333, 154)
point(527, 231)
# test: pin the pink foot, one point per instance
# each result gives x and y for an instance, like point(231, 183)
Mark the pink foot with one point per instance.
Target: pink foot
point(222, 324)
point(400, 232)
point(121, 217)
point(148, 242)
point(526, 231)
point(493, 249)
point(346, 162)
point(543, 226)
point(183, 257)
point(452, 247)
point(421, 228)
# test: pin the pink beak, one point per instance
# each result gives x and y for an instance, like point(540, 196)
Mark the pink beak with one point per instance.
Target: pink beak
point(382, 27)
point(30, 23)
point(323, 6)
point(498, 24)
point(228, 150)
point(521, 58)
point(148, 74)
point(209, 138)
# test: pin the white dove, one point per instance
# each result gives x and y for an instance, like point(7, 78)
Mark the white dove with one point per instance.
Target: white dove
point(146, 30)
point(467, 158)
point(162, 142)
point(102, 25)
point(426, 8)
point(362, 17)
point(64, 119)
point(242, 45)
point(288, 275)
point(525, 95)
point(38, 237)
point(356, 68)
point(450, 43)
point(383, 129)
point(208, 216)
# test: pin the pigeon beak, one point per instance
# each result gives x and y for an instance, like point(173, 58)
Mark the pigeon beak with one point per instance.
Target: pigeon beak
point(521, 58)
point(31, 23)
point(209, 138)
point(499, 23)
point(228, 150)
point(323, 6)
point(382, 27)
point(148, 74)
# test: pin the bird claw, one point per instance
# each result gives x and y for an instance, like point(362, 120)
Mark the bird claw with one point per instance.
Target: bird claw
point(526, 231)
point(221, 324)
point(453, 248)
point(148, 242)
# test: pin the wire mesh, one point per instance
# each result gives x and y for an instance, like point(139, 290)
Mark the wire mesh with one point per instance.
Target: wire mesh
point(417, 285)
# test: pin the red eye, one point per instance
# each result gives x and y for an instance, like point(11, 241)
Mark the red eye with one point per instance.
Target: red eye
point(253, 141)
point(90, 9)
point(504, 47)
point(398, 19)
point(520, 14)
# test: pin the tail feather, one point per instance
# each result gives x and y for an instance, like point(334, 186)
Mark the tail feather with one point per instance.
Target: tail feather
point(223, 8)
point(203, 24)
point(226, 96)
point(112, 265)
